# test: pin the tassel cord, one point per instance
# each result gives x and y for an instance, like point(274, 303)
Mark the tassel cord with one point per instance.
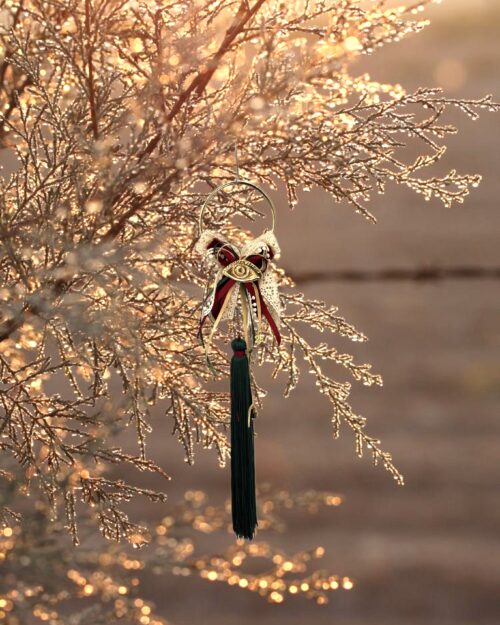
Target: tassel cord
point(243, 499)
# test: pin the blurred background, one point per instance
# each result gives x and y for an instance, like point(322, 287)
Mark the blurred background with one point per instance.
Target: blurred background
point(428, 553)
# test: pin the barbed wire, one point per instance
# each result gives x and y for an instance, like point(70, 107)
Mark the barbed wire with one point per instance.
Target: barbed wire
point(399, 274)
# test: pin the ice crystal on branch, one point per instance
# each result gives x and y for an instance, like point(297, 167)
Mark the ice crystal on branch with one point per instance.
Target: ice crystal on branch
point(117, 118)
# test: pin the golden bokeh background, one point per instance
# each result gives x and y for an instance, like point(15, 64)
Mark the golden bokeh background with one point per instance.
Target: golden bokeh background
point(428, 553)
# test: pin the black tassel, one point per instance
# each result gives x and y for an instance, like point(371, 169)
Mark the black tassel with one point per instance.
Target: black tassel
point(243, 503)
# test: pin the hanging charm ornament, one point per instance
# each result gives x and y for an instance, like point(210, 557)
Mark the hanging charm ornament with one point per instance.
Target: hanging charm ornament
point(243, 282)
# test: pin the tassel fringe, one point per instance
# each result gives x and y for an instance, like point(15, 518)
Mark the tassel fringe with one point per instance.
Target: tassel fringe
point(243, 500)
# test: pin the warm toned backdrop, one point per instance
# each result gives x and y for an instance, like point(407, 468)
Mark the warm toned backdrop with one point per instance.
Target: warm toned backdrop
point(427, 554)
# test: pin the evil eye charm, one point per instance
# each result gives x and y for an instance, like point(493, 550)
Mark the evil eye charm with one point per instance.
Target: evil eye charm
point(242, 270)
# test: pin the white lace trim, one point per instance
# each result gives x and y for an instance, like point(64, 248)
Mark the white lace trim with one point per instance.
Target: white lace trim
point(263, 244)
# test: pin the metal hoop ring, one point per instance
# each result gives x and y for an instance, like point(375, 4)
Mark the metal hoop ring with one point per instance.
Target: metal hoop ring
point(246, 183)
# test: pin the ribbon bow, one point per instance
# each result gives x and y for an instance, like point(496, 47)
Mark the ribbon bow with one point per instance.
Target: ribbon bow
point(242, 277)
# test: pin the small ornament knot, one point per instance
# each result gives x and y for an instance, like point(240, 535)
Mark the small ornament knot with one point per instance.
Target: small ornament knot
point(239, 347)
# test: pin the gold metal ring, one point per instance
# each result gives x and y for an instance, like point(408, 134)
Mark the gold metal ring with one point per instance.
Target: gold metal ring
point(246, 183)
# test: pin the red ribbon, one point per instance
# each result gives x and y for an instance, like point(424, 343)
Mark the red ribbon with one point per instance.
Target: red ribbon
point(226, 255)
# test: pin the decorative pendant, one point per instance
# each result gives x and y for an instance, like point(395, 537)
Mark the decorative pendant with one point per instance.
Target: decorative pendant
point(243, 283)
